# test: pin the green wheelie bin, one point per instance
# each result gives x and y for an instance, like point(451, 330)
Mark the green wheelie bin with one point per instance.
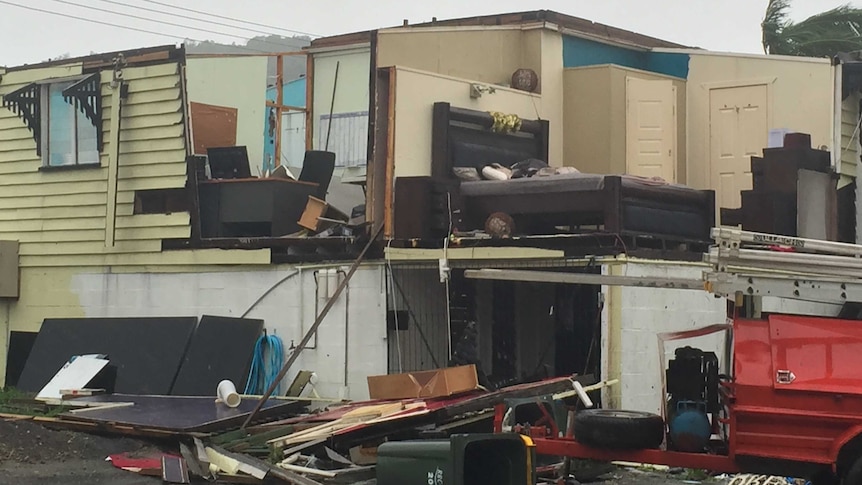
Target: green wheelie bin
point(466, 459)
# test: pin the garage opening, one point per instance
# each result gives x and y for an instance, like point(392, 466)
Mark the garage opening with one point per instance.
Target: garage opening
point(513, 331)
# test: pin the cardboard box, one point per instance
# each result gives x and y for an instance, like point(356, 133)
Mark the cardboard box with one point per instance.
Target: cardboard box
point(424, 384)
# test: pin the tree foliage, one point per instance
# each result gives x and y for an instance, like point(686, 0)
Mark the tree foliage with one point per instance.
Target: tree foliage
point(822, 35)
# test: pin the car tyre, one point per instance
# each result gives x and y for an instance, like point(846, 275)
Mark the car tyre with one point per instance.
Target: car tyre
point(615, 429)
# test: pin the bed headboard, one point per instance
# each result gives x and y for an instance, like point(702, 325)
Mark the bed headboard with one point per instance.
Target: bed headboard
point(463, 138)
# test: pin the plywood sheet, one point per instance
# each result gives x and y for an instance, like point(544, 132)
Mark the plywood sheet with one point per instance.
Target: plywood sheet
point(146, 352)
point(181, 414)
point(221, 348)
point(212, 126)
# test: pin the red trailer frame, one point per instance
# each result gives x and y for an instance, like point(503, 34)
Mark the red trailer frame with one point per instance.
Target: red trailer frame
point(794, 396)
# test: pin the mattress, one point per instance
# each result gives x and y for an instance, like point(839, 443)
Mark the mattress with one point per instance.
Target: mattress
point(534, 185)
point(558, 184)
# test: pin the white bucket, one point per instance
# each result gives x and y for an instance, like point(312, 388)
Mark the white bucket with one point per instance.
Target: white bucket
point(227, 394)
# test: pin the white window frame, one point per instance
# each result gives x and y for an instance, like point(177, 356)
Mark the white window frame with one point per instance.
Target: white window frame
point(45, 102)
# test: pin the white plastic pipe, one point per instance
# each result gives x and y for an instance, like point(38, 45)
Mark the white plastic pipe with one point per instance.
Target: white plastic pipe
point(227, 394)
point(583, 395)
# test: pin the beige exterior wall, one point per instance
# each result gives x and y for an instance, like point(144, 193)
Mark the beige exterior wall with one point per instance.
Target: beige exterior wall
point(799, 92)
point(351, 96)
point(489, 55)
point(416, 93)
point(595, 118)
point(234, 82)
point(587, 120)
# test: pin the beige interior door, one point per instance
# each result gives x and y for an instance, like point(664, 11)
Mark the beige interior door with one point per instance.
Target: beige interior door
point(651, 128)
point(738, 130)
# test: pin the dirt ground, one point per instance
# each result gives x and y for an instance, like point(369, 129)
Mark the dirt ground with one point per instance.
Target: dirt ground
point(34, 455)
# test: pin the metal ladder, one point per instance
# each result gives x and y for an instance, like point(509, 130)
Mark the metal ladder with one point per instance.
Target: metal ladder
point(747, 263)
point(742, 263)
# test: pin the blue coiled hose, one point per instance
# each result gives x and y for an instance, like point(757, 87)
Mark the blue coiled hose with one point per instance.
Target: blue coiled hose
point(265, 365)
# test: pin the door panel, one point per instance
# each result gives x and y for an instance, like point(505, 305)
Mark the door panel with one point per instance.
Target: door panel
point(738, 131)
point(816, 354)
point(651, 128)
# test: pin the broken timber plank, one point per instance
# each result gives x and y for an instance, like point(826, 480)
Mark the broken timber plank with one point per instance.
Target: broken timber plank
point(307, 471)
point(191, 460)
point(303, 447)
point(245, 464)
point(250, 462)
point(174, 470)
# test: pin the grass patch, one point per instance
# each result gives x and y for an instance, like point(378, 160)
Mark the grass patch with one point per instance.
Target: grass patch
point(13, 401)
point(695, 475)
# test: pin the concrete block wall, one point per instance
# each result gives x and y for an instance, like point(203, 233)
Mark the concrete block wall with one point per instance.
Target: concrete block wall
point(356, 323)
point(631, 322)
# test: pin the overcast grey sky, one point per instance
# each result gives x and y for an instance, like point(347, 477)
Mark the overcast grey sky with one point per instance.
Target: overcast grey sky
point(28, 36)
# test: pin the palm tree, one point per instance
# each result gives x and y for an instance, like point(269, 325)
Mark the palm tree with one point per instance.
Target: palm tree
point(822, 35)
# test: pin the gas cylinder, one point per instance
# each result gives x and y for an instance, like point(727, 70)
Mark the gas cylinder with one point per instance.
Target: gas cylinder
point(689, 427)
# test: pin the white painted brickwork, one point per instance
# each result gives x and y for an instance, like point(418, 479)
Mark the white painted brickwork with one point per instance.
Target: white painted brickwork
point(644, 313)
point(288, 311)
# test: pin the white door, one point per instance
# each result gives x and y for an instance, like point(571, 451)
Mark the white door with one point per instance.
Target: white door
point(651, 128)
point(738, 130)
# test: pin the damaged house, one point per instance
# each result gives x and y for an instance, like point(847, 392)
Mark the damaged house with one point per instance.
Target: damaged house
point(684, 122)
point(647, 140)
point(100, 184)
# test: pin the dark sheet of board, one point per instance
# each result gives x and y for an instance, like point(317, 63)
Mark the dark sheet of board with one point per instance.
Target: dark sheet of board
point(221, 348)
point(20, 344)
point(146, 352)
point(180, 413)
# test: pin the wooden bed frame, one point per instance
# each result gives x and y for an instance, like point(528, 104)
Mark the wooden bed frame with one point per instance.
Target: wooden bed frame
point(620, 205)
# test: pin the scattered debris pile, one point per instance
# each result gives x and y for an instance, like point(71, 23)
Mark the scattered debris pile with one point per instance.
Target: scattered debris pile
point(295, 440)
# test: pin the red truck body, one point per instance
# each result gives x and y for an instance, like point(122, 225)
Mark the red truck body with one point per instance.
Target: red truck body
point(794, 399)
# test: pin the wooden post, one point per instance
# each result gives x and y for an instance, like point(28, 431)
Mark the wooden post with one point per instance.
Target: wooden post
point(309, 102)
point(279, 109)
point(389, 194)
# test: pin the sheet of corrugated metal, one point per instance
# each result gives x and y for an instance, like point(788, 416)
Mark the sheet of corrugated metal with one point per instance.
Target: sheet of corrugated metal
point(349, 139)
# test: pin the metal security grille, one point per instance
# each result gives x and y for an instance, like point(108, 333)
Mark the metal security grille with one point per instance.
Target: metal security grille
point(349, 139)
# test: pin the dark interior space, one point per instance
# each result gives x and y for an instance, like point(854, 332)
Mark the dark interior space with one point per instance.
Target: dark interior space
point(20, 344)
point(578, 329)
point(528, 331)
point(504, 336)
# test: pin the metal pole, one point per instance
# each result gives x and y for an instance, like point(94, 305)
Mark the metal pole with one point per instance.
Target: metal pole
point(584, 279)
point(311, 331)
point(332, 106)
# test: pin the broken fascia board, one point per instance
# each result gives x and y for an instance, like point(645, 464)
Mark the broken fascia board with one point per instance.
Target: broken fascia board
point(409, 29)
point(741, 55)
point(406, 254)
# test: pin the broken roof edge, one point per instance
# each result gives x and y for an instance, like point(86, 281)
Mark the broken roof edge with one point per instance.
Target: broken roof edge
point(743, 55)
point(583, 26)
point(175, 52)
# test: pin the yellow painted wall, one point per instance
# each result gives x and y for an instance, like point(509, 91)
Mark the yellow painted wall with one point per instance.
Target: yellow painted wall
point(235, 82)
point(60, 217)
point(489, 55)
point(416, 93)
point(595, 118)
point(800, 93)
